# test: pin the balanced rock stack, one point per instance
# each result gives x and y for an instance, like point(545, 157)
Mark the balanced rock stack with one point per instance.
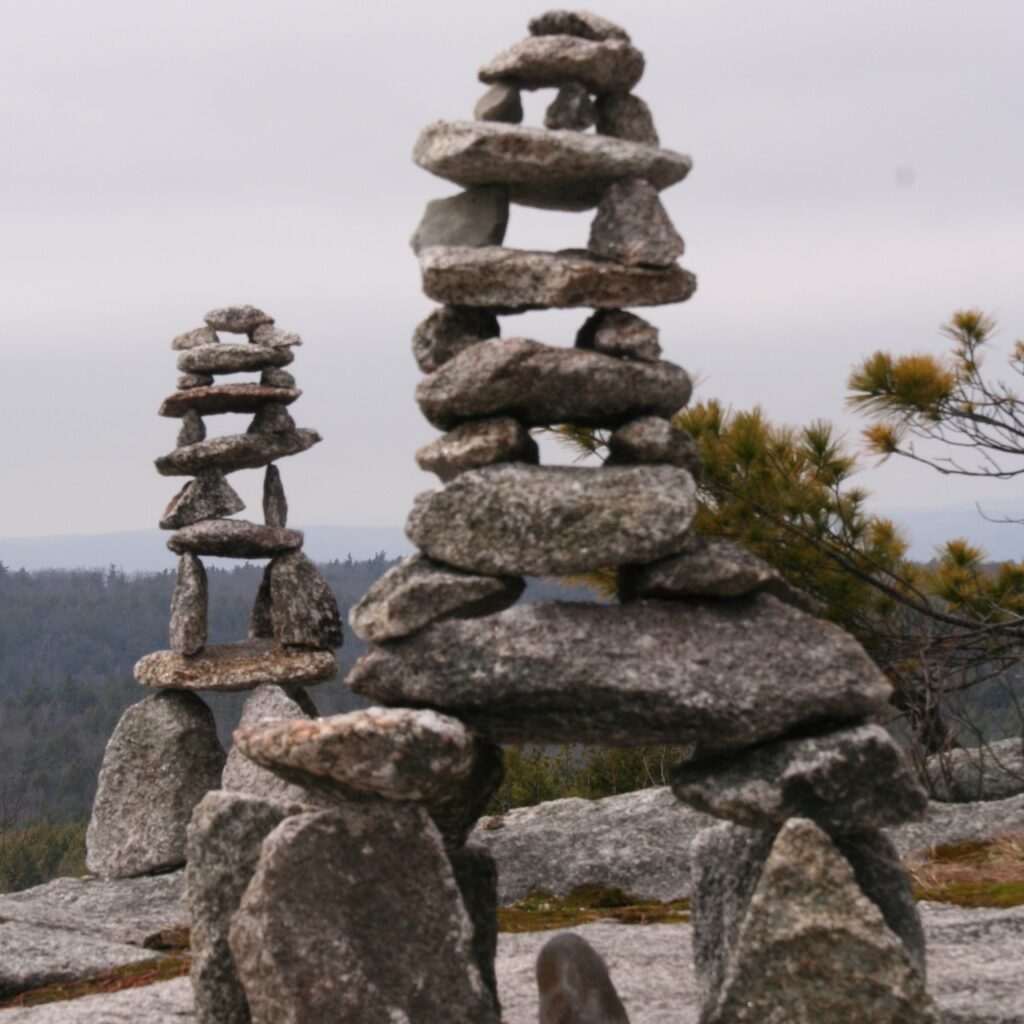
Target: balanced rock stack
point(164, 755)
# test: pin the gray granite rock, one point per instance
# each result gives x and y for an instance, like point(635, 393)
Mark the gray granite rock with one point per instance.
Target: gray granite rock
point(994, 771)
point(632, 227)
point(477, 878)
point(235, 451)
point(513, 279)
point(169, 1002)
point(571, 110)
point(500, 103)
point(608, 65)
point(573, 984)
point(238, 666)
point(194, 380)
point(832, 779)
point(304, 611)
point(376, 867)
point(477, 216)
point(268, 334)
point(275, 377)
point(267, 703)
point(261, 619)
point(275, 503)
point(625, 116)
point(209, 496)
point(225, 836)
point(189, 607)
point(960, 823)
point(226, 398)
point(556, 170)
point(540, 385)
point(237, 319)
point(725, 675)
point(516, 520)
point(193, 430)
point(234, 538)
point(271, 419)
point(653, 440)
point(163, 757)
point(618, 333)
point(233, 358)
point(576, 23)
point(449, 330)
point(420, 591)
point(195, 338)
point(476, 444)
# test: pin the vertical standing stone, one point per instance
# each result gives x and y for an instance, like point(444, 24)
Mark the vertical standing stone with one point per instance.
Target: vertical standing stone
point(189, 607)
point(275, 504)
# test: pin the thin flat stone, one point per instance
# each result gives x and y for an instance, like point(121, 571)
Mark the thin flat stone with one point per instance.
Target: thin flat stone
point(234, 538)
point(632, 227)
point(237, 319)
point(238, 666)
point(625, 116)
point(571, 110)
point(209, 496)
point(725, 675)
point(834, 779)
point(500, 103)
point(195, 338)
point(576, 23)
point(476, 444)
point(608, 65)
point(478, 216)
point(189, 607)
point(653, 440)
point(223, 358)
point(512, 279)
point(574, 985)
point(449, 330)
point(226, 398)
point(275, 504)
point(420, 591)
point(556, 170)
point(618, 333)
point(275, 377)
point(303, 610)
point(540, 385)
point(194, 380)
point(514, 520)
point(193, 430)
point(268, 334)
point(271, 419)
point(235, 451)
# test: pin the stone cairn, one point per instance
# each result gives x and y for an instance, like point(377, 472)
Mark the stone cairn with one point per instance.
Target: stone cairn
point(371, 906)
point(164, 755)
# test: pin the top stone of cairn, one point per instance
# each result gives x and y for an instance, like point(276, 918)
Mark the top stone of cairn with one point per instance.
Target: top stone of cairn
point(576, 23)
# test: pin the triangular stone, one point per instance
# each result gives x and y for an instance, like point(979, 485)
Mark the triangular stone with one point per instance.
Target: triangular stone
point(208, 496)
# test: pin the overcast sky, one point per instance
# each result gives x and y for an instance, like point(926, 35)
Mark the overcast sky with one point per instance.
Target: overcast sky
point(858, 174)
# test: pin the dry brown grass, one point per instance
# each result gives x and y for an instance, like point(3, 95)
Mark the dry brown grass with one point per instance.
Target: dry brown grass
point(987, 873)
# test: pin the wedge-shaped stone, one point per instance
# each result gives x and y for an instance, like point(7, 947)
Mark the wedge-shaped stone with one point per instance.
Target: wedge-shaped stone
point(726, 676)
point(195, 338)
point(574, 985)
point(275, 502)
point(626, 116)
point(226, 398)
point(576, 23)
point(512, 279)
point(476, 444)
point(834, 779)
point(224, 358)
point(652, 439)
point(189, 606)
point(209, 496)
point(540, 385)
point(618, 333)
point(234, 538)
point(809, 922)
point(271, 419)
point(556, 170)
point(571, 110)
point(275, 377)
point(237, 319)
point(268, 334)
point(238, 666)
point(235, 451)
point(332, 899)
point(162, 758)
point(515, 520)
point(632, 227)
point(193, 430)
point(303, 610)
point(419, 591)
point(478, 216)
point(609, 65)
point(500, 103)
point(194, 380)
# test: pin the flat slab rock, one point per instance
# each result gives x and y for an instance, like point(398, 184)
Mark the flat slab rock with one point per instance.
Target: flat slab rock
point(226, 398)
point(560, 170)
point(235, 451)
point(517, 279)
point(230, 358)
point(515, 520)
point(234, 538)
point(238, 666)
point(541, 385)
point(726, 676)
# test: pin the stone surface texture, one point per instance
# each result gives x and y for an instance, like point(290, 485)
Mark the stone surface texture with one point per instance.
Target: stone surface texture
point(625, 116)
point(832, 779)
point(651, 672)
point(237, 319)
point(193, 430)
point(500, 103)
point(195, 338)
point(632, 227)
point(449, 330)
point(189, 607)
point(576, 23)
point(476, 875)
point(275, 504)
point(991, 772)
point(208, 496)
point(516, 279)
point(236, 666)
point(235, 451)
point(573, 984)
point(334, 943)
point(420, 591)
point(618, 333)
point(275, 377)
point(271, 419)
point(304, 611)
point(558, 170)
point(653, 440)
point(226, 398)
point(541, 385)
point(194, 380)
point(517, 520)
point(476, 444)
point(163, 757)
point(234, 538)
point(477, 216)
point(233, 358)
point(268, 334)
point(609, 65)
point(571, 110)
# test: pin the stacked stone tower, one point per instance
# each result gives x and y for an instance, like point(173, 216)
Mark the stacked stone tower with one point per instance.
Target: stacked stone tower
point(164, 754)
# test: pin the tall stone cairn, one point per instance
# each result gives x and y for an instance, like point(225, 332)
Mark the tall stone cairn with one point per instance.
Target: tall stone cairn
point(803, 911)
point(164, 755)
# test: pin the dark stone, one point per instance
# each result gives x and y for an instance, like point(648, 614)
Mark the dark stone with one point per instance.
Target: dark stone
point(608, 65)
point(574, 985)
point(572, 109)
point(632, 227)
point(193, 430)
point(303, 608)
point(625, 116)
point(226, 398)
point(194, 380)
point(261, 619)
point(618, 333)
point(235, 451)
point(500, 103)
point(476, 444)
point(234, 538)
point(653, 440)
point(275, 504)
point(209, 496)
point(448, 331)
point(477, 878)
point(275, 377)
point(189, 606)
point(478, 216)
point(271, 419)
